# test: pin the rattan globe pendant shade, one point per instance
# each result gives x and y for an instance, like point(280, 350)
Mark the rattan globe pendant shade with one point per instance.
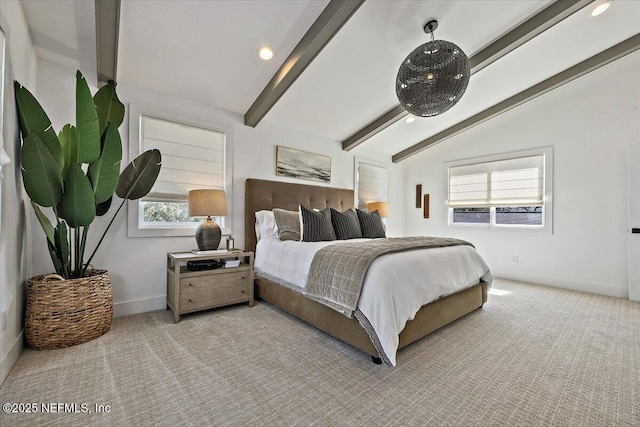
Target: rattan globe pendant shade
point(433, 78)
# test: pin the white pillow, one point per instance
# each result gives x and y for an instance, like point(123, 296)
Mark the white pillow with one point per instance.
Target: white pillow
point(266, 227)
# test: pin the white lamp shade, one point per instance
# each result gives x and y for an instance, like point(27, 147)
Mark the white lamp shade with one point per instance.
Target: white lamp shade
point(381, 207)
point(207, 203)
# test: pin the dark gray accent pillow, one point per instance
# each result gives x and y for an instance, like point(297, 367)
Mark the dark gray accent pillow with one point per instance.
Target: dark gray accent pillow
point(345, 224)
point(371, 224)
point(316, 226)
point(288, 223)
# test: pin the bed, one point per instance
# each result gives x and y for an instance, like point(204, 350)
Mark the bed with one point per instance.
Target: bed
point(267, 195)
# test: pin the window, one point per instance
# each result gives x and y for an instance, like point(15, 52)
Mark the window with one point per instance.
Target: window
point(471, 216)
point(194, 156)
point(509, 190)
point(370, 182)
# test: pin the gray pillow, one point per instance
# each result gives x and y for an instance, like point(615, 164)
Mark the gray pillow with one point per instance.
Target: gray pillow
point(288, 223)
point(371, 224)
point(316, 226)
point(345, 224)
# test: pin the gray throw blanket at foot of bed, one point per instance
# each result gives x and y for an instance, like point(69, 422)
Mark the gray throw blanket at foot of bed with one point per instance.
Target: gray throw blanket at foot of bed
point(337, 271)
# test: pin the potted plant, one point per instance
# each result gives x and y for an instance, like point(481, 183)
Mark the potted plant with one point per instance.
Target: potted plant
point(75, 174)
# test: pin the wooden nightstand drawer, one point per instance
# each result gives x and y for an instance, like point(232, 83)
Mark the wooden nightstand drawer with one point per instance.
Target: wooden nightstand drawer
point(194, 283)
point(201, 292)
point(225, 296)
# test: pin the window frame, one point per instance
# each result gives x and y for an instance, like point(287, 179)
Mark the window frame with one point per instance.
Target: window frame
point(134, 210)
point(357, 161)
point(493, 223)
point(167, 225)
point(547, 205)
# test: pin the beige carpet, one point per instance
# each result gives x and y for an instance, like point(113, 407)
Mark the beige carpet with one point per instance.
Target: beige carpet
point(535, 356)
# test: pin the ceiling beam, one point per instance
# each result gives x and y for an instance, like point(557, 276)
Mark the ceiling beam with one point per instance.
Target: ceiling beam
point(107, 30)
point(603, 58)
point(332, 18)
point(524, 32)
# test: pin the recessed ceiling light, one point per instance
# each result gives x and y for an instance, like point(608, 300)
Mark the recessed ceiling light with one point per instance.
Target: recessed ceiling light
point(600, 8)
point(266, 53)
point(409, 119)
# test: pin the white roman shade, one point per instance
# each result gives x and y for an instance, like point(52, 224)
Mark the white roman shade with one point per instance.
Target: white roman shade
point(372, 184)
point(192, 158)
point(509, 182)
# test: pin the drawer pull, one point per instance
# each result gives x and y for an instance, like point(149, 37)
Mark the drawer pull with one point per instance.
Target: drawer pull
point(243, 277)
point(190, 300)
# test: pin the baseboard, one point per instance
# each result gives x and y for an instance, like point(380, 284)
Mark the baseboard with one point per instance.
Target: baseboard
point(12, 355)
point(593, 288)
point(126, 308)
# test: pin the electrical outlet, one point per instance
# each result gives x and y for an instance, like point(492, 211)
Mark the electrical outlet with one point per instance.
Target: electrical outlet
point(514, 259)
point(3, 320)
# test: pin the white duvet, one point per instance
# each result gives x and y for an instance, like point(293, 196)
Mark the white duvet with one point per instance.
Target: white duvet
point(396, 285)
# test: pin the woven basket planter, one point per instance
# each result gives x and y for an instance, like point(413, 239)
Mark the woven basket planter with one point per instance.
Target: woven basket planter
point(62, 313)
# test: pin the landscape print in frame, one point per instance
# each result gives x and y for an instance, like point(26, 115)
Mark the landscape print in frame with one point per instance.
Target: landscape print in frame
point(302, 164)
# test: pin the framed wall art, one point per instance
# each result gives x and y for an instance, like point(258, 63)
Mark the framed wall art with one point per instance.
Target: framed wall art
point(302, 164)
point(425, 210)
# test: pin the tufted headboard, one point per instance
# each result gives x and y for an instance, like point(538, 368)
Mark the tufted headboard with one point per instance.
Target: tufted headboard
point(260, 194)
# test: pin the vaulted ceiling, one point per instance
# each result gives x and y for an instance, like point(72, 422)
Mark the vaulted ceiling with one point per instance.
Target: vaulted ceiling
point(206, 51)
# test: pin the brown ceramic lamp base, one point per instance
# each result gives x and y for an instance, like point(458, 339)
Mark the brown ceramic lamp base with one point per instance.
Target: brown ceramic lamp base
point(208, 235)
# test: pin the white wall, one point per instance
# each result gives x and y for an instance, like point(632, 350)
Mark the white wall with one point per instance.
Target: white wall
point(138, 265)
point(14, 238)
point(590, 123)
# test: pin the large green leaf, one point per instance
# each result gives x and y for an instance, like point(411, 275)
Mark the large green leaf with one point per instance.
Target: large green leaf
point(138, 178)
point(68, 140)
point(86, 122)
point(54, 259)
point(78, 205)
point(103, 208)
point(63, 251)
point(110, 109)
point(44, 222)
point(34, 120)
point(105, 172)
point(41, 174)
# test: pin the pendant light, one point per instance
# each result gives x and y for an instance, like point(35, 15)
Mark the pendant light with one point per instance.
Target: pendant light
point(433, 78)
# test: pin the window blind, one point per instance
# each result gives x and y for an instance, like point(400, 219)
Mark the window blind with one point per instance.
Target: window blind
point(372, 184)
point(509, 182)
point(192, 158)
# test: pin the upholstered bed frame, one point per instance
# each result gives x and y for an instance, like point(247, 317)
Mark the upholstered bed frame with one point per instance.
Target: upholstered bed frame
point(266, 195)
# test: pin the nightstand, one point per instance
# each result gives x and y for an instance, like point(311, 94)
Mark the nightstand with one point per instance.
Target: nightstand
point(190, 291)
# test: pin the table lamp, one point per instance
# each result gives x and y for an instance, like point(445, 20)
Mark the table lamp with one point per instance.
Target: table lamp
point(381, 207)
point(208, 203)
